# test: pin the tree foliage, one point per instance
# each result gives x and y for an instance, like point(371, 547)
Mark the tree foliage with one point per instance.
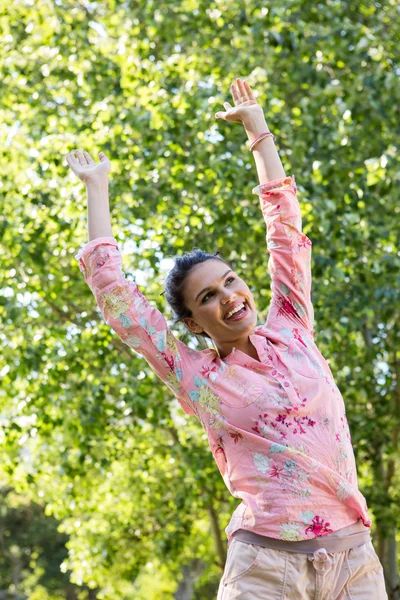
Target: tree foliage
point(87, 430)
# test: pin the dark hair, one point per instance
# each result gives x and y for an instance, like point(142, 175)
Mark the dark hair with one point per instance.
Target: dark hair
point(174, 282)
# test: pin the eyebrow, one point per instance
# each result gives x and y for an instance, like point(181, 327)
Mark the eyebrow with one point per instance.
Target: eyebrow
point(209, 288)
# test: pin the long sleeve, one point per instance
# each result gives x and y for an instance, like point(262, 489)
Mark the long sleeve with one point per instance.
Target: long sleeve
point(135, 321)
point(289, 263)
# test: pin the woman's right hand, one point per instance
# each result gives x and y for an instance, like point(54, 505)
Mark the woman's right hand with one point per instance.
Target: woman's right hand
point(84, 167)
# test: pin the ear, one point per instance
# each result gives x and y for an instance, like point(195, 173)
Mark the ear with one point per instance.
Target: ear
point(192, 325)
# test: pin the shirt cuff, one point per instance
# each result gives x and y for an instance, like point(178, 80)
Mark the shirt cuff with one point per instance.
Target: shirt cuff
point(276, 183)
point(87, 248)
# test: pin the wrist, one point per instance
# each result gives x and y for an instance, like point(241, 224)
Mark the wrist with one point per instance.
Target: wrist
point(254, 127)
point(97, 183)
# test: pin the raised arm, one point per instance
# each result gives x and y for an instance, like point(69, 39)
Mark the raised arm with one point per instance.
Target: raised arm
point(123, 306)
point(289, 262)
point(290, 250)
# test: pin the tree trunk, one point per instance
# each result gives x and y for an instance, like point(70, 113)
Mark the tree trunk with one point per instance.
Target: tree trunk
point(384, 470)
point(216, 532)
point(387, 552)
point(70, 593)
point(190, 573)
point(386, 532)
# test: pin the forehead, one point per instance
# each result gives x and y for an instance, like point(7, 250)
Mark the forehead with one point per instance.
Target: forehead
point(207, 271)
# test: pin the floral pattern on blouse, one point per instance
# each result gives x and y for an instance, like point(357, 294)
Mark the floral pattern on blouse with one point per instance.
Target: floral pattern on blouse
point(276, 427)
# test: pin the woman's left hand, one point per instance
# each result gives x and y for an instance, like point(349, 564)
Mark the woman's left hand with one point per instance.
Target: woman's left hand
point(246, 109)
point(86, 169)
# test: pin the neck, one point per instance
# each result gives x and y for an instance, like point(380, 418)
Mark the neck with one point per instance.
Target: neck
point(244, 346)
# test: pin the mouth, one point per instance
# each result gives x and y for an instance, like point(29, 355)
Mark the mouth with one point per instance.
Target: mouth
point(240, 314)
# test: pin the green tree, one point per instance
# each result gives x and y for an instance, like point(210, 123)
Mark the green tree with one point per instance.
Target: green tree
point(31, 552)
point(88, 431)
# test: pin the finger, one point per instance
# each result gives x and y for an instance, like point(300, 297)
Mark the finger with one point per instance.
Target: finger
point(72, 158)
point(220, 115)
point(249, 92)
point(242, 90)
point(235, 94)
point(102, 156)
point(72, 163)
point(81, 158)
point(89, 159)
point(228, 106)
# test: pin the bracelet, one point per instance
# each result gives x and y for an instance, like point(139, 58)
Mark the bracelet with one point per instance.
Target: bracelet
point(261, 137)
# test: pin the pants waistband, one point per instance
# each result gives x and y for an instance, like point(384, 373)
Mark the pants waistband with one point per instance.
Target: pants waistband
point(306, 546)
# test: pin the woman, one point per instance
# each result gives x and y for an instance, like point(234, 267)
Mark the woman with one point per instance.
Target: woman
point(275, 419)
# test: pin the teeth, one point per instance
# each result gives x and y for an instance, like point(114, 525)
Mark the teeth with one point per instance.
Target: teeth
point(235, 310)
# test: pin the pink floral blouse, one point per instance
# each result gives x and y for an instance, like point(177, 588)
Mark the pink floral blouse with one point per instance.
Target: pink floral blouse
point(277, 427)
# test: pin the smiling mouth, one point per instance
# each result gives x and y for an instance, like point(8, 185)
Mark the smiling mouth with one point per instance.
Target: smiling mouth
point(240, 314)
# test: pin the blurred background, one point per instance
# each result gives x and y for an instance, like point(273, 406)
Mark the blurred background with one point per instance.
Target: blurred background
point(108, 489)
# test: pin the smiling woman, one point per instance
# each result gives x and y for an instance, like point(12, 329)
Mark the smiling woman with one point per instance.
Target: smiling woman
point(202, 294)
point(275, 419)
point(175, 282)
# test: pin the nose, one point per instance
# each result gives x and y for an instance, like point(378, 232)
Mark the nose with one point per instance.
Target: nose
point(227, 296)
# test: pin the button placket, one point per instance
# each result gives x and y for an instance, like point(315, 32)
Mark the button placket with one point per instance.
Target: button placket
point(287, 387)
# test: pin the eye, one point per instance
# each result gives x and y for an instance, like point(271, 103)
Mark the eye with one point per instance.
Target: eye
point(209, 293)
point(205, 297)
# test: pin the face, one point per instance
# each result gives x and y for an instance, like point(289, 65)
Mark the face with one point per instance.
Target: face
point(211, 290)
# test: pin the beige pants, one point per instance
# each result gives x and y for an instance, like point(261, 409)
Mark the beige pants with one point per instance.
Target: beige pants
point(256, 573)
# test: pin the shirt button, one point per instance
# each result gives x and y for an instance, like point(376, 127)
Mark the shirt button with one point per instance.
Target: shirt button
point(286, 384)
point(274, 372)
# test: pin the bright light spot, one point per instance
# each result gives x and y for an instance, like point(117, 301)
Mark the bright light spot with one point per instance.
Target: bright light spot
point(99, 28)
